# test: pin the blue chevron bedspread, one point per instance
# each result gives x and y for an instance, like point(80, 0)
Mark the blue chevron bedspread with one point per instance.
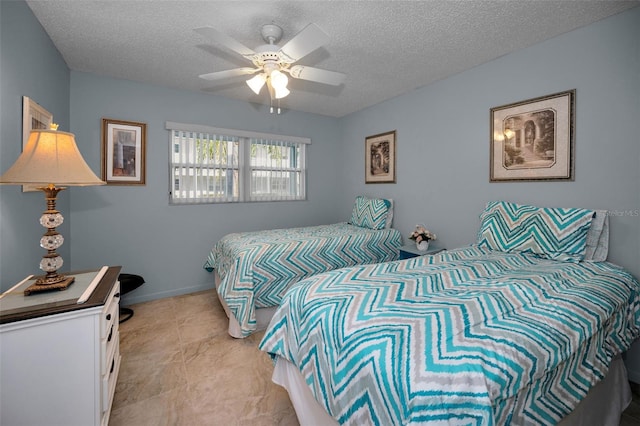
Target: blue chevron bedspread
point(467, 336)
point(256, 268)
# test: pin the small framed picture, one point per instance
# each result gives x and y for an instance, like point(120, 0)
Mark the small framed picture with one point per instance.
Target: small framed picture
point(34, 116)
point(380, 158)
point(533, 140)
point(123, 152)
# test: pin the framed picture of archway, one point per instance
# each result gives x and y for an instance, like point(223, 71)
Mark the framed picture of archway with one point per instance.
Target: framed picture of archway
point(533, 140)
point(380, 158)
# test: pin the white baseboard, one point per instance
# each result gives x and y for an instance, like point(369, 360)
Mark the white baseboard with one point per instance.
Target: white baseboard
point(131, 299)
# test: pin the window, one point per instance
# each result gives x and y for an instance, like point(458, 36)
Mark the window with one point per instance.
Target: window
point(212, 165)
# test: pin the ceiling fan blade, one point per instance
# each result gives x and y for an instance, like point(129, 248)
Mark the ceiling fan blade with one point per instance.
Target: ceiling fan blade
point(318, 75)
point(231, 43)
point(305, 42)
point(219, 75)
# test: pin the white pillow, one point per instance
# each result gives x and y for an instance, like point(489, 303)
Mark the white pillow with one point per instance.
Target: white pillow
point(598, 238)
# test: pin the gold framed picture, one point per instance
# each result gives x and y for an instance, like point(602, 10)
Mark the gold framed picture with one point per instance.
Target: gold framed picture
point(533, 140)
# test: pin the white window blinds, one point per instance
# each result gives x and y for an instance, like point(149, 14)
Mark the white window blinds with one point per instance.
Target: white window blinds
point(212, 165)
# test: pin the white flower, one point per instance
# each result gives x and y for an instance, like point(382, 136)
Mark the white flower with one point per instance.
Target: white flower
point(422, 234)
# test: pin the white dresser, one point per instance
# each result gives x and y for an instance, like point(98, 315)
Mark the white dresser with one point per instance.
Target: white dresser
point(59, 361)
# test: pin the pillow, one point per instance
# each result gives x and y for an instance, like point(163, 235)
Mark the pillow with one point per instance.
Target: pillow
point(370, 213)
point(389, 220)
point(552, 233)
point(598, 238)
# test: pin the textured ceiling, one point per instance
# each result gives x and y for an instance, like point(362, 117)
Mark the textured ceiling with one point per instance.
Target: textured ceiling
point(386, 48)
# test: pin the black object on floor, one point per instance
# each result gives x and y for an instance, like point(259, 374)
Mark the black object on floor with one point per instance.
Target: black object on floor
point(128, 282)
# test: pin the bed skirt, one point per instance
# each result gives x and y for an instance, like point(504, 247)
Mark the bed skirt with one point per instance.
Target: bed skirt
point(603, 405)
point(263, 315)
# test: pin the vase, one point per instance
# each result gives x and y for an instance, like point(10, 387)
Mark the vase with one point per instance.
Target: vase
point(422, 245)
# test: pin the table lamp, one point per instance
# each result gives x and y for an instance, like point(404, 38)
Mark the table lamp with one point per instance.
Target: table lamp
point(51, 161)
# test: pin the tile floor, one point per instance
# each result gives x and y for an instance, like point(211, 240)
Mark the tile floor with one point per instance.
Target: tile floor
point(180, 367)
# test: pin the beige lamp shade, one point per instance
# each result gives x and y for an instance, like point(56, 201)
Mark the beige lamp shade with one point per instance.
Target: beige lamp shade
point(50, 157)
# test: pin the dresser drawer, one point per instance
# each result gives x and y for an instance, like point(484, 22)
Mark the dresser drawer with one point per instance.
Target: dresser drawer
point(108, 349)
point(110, 311)
point(110, 377)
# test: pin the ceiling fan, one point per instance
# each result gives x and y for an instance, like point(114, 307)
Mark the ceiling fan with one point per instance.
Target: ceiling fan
point(273, 62)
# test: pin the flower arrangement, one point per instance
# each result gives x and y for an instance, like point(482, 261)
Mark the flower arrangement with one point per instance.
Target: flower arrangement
point(422, 234)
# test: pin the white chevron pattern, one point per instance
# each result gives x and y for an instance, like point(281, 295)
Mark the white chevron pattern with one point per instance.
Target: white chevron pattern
point(370, 213)
point(468, 336)
point(256, 268)
point(554, 233)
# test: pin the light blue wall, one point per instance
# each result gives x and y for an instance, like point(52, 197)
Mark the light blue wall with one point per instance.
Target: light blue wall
point(443, 140)
point(442, 164)
point(135, 227)
point(443, 137)
point(30, 66)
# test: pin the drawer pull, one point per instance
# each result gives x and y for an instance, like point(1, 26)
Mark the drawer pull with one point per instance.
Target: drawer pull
point(108, 317)
point(113, 364)
point(117, 294)
point(110, 335)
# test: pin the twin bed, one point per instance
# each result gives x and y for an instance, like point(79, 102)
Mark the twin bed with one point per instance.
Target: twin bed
point(518, 328)
point(525, 326)
point(253, 270)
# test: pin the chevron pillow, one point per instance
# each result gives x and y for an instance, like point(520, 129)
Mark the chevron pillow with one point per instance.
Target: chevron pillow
point(370, 212)
point(553, 233)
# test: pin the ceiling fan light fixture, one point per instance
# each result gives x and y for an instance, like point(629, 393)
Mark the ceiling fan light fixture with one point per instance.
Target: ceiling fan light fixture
point(279, 83)
point(279, 80)
point(281, 92)
point(272, 61)
point(256, 83)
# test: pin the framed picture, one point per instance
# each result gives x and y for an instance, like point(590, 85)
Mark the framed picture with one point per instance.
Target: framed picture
point(34, 116)
point(533, 140)
point(123, 152)
point(380, 158)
